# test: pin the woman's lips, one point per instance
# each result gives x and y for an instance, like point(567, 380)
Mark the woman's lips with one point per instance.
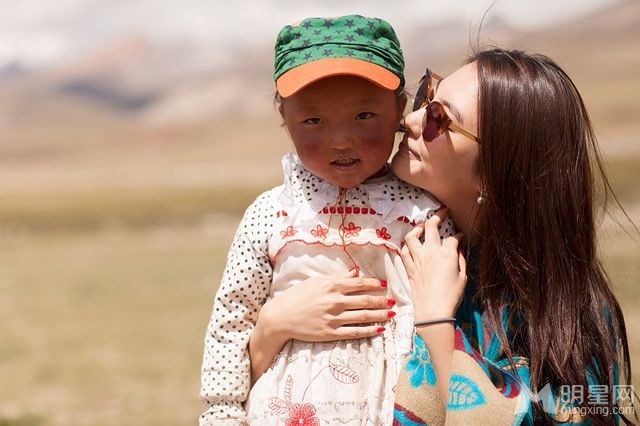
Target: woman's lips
point(406, 149)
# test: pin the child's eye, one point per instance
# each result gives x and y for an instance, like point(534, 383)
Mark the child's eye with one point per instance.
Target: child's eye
point(312, 120)
point(364, 115)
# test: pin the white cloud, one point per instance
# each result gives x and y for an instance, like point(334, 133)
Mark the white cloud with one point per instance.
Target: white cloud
point(43, 31)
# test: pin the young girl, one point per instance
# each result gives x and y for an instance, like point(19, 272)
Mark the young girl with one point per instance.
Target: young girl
point(340, 212)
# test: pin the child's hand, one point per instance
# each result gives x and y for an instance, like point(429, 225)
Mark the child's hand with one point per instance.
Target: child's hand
point(328, 308)
point(436, 270)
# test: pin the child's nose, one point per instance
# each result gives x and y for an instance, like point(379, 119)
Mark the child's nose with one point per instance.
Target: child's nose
point(342, 137)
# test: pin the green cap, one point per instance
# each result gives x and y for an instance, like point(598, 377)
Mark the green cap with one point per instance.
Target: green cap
point(322, 47)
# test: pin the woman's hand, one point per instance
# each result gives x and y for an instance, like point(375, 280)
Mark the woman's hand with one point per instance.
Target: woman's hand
point(436, 270)
point(317, 310)
point(328, 308)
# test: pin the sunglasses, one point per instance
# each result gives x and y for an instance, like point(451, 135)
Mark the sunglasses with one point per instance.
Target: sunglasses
point(436, 120)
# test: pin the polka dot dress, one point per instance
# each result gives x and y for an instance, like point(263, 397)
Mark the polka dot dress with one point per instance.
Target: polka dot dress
point(309, 227)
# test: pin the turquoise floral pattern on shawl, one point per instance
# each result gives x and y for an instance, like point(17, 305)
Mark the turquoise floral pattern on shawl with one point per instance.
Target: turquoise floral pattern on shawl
point(464, 393)
point(419, 365)
point(510, 379)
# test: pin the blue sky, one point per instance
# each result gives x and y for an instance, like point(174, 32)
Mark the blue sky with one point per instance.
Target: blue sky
point(43, 32)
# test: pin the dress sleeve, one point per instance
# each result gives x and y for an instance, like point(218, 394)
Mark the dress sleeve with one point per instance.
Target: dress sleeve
point(226, 368)
point(483, 389)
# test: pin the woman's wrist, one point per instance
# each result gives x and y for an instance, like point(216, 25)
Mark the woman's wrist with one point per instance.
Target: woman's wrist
point(266, 340)
point(270, 327)
point(429, 313)
point(435, 320)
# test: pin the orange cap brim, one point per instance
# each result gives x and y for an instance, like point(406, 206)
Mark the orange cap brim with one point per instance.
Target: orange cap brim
point(296, 78)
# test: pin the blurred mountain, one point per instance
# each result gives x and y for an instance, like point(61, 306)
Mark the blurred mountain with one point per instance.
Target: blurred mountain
point(12, 70)
point(117, 75)
point(132, 89)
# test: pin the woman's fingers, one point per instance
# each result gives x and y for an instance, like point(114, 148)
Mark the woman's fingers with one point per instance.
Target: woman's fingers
point(431, 233)
point(462, 263)
point(412, 239)
point(407, 260)
point(355, 285)
point(357, 332)
point(451, 243)
point(363, 316)
point(365, 301)
point(450, 246)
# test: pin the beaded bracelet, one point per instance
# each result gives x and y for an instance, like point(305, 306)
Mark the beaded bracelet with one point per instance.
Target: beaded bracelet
point(434, 321)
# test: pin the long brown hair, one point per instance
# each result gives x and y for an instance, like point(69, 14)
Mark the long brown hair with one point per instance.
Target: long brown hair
point(538, 164)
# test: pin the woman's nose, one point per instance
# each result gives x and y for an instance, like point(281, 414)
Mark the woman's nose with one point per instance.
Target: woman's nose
point(412, 122)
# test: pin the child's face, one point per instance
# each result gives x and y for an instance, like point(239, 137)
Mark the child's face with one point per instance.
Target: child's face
point(343, 127)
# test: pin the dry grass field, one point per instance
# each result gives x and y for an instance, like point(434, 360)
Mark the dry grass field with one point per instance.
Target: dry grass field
point(108, 265)
point(107, 284)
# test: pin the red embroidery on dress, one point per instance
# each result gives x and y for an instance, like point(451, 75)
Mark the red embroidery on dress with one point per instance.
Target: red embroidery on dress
point(287, 388)
point(383, 233)
point(406, 220)
point(347, 210)
point(281, 213)
point(278, 405)
point(320, 232)
point(281, 406)
point(342, 372)
point(302, 414)
point(289, 232)
point(351, 230)
point(299, 413)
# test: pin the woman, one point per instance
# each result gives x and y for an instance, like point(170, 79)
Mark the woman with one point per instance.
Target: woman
point(533, 335)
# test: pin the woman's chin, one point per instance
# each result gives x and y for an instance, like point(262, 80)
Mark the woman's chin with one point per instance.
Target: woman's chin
point(401, 167)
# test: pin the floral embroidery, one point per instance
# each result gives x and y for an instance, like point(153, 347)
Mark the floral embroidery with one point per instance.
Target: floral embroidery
point(342, 372)
point(320, 232)
point(289, 232)
point(302, 414)
point(420, 365)
point(464, 393)
point(383, 233)
point(305, 413)
point(351, 230)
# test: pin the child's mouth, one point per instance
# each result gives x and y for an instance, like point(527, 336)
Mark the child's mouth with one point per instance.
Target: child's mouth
point(345, 162)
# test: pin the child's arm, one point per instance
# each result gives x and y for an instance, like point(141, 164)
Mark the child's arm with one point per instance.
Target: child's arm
point(225, 376)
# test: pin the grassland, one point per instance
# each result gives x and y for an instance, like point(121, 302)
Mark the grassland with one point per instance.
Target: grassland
point(105, 299)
